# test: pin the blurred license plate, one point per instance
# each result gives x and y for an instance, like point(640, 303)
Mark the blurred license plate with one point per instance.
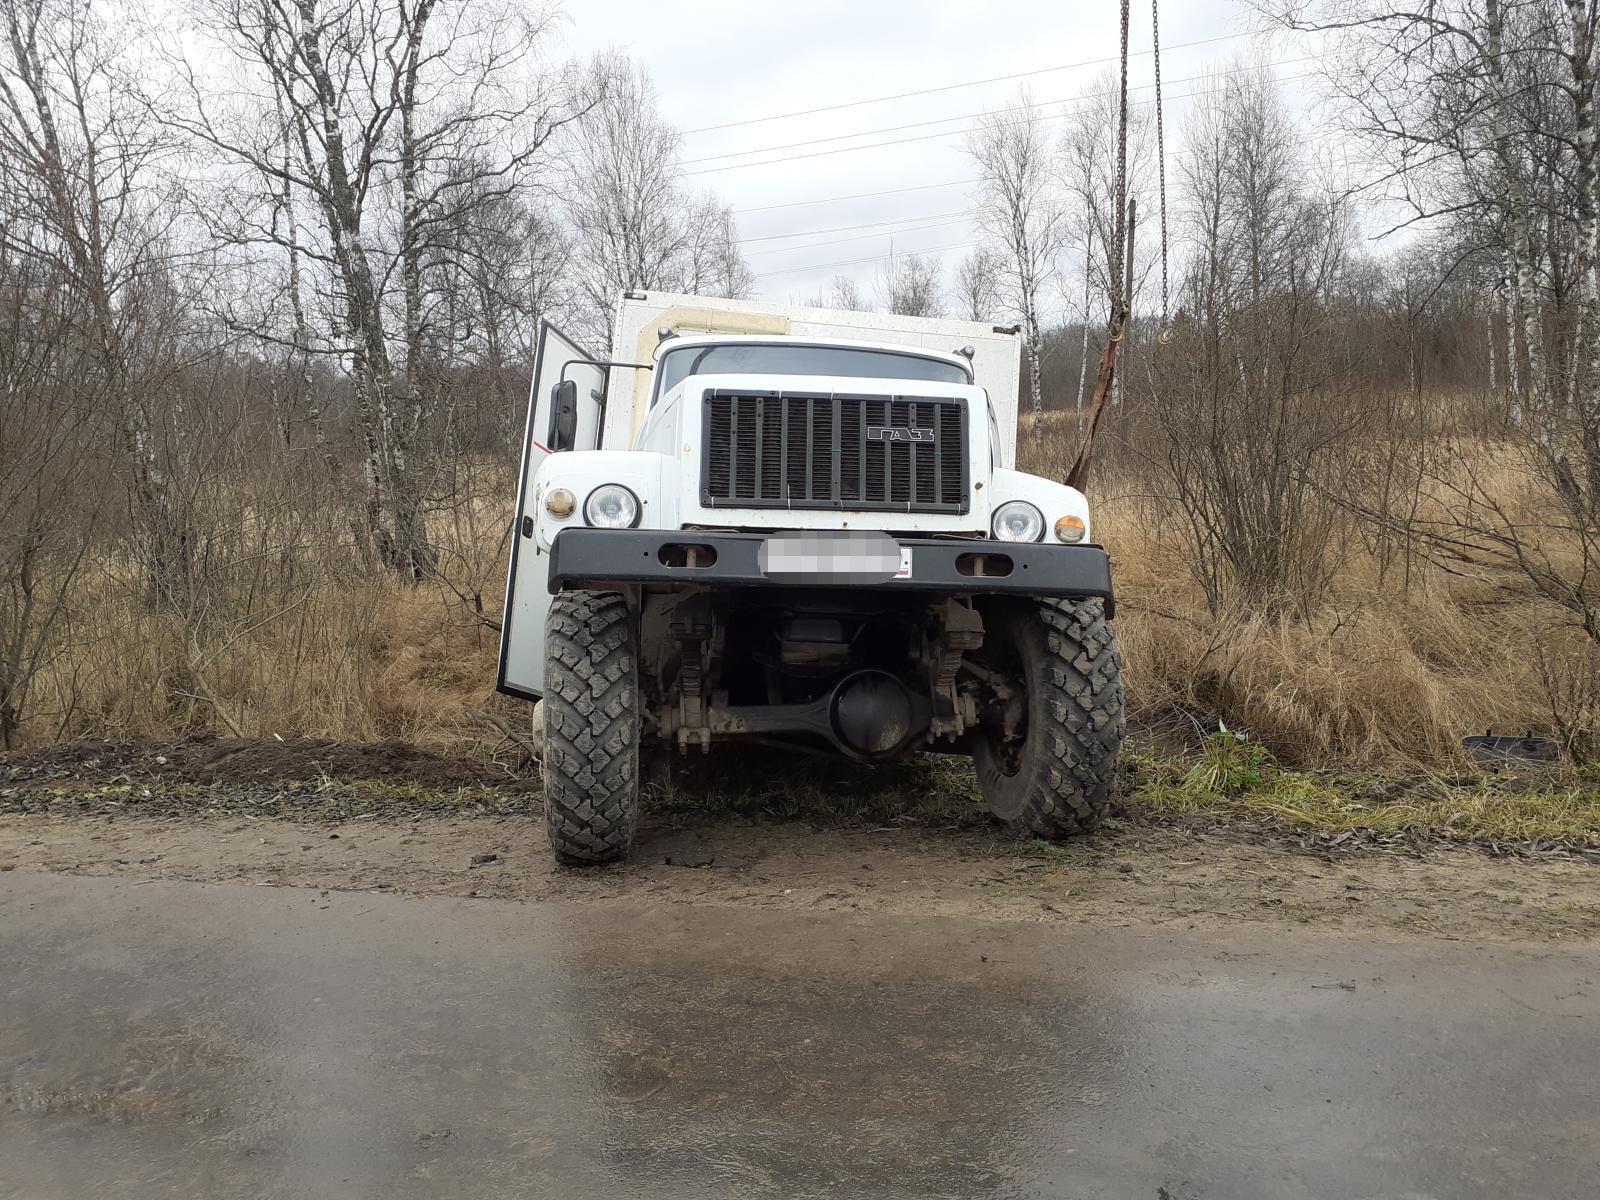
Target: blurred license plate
point(835, 556)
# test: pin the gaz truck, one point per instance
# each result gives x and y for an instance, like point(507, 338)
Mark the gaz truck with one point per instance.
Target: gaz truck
point(788, 525)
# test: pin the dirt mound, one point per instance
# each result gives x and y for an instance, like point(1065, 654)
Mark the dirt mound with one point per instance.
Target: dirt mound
point(208, 759)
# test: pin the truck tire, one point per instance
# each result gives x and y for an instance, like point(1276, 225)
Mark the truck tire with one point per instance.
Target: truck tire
point(591, 727)
point(1057, 782)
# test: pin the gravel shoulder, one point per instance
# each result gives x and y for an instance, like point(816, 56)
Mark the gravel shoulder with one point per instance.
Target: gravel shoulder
point(212, 812)
point(1153, 877)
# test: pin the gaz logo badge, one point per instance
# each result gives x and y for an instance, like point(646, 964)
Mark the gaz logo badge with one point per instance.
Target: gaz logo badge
point(900, 433)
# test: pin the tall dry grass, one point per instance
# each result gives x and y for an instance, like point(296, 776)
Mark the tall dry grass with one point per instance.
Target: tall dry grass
point(304, 639)
point(1386, 671)
point(1371, 678)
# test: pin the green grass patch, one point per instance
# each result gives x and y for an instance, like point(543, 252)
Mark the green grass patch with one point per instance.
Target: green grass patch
point(1237, 779)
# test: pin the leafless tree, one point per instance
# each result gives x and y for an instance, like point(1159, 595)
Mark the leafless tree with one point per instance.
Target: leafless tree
point(714, 265)
point(54, 413)
point(635, 226)
point(1021, 215)
point(388, 116)
point(1253, 405)
point(977, 291)
point(909, 285)
point(83, 205)
point(842, 294)
point(623, 196)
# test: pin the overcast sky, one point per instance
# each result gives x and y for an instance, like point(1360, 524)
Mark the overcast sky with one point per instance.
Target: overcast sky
point(715, 62)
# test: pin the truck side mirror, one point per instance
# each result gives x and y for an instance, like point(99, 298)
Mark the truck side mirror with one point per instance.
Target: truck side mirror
point(564, 415)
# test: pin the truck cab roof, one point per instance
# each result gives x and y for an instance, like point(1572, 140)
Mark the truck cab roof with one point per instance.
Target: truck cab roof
point(934, 343)
point(679, 340)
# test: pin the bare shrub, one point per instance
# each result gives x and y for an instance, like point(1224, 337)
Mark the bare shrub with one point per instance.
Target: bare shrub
point(1570, 678)
point(908, 284)
point(1252, 408)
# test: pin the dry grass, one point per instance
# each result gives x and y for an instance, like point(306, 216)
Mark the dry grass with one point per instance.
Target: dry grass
point(1374, 678)
point(1377, 677)
point(339, 654)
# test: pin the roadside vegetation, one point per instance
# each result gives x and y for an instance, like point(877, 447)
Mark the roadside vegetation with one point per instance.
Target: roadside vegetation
point(1231, 784)
point(1353, 495)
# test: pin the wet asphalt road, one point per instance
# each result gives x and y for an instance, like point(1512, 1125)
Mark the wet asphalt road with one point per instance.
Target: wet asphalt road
point(188, 1040)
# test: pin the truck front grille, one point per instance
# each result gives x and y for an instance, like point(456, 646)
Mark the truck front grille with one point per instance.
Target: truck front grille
point(825, 450)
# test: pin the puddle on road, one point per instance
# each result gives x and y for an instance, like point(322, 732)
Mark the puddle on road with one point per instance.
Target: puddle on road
point(252, 1042)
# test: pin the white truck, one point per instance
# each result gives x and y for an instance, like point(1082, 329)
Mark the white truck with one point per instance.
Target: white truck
point(798, 526)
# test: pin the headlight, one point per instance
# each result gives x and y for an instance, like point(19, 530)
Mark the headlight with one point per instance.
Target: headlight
point(611, 506)
point(1018, 521)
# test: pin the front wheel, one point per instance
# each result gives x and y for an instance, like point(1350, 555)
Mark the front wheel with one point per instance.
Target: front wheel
point(591, 727)
point(1046, 758)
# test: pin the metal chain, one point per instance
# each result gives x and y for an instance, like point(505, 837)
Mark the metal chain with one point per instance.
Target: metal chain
point(1119, 224)
point(1162, 330)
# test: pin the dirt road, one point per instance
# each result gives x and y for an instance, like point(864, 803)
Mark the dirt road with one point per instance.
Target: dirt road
point(343, 817)
point(215, 983)
point(217, 1040)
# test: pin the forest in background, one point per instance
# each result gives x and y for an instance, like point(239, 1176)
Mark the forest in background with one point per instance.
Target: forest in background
point(269, 288)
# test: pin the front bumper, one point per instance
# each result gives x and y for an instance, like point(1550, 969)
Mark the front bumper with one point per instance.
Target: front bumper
point(603, 558)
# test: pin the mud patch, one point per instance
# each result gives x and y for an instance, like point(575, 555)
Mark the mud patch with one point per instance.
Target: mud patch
point(1155, 878)
point(206, 759)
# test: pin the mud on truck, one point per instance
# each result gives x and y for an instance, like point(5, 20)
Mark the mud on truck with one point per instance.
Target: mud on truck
point(797, 526)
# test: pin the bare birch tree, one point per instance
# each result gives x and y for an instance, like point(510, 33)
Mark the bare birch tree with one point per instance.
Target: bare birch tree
point(387, 116)
point(909, 285)
point(1021, 216)
point(843, 294)
point(976, 288)
point(77, 159)
point(634, 224)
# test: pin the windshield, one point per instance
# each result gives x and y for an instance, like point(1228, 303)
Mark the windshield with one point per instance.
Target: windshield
point(787, 359)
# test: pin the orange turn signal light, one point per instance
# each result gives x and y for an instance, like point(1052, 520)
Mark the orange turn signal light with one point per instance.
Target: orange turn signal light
point(1071, 529)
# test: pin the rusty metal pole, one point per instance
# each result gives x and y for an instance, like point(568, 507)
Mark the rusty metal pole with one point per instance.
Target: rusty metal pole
point(1127, 297)
point(1107, 382)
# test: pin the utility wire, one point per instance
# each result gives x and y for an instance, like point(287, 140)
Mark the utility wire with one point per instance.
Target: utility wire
point(767, 162)
point(858, 237)
point(951, 87)
point(923, 187)
point(1015, 108)
point(773, 237)
point(850, 262)
point(1308, 140)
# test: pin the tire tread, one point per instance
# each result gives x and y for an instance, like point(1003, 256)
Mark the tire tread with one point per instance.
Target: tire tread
point(591, 734)
point(1066, 790)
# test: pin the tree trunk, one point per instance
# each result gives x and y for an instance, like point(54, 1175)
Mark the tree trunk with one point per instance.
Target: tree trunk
point(163, 539)
point(400, 540)
point(1585, 354)
point(1517, 213)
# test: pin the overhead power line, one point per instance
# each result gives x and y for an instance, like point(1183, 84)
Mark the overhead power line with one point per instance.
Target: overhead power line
point(773, 237)
point(1015, 108)
point(859, 237)
point(925, 137)
point(923, 187)
point(851, 262)
point(951, 87)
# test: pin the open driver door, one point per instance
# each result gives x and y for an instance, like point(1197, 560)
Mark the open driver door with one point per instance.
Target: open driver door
point(566, 410)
